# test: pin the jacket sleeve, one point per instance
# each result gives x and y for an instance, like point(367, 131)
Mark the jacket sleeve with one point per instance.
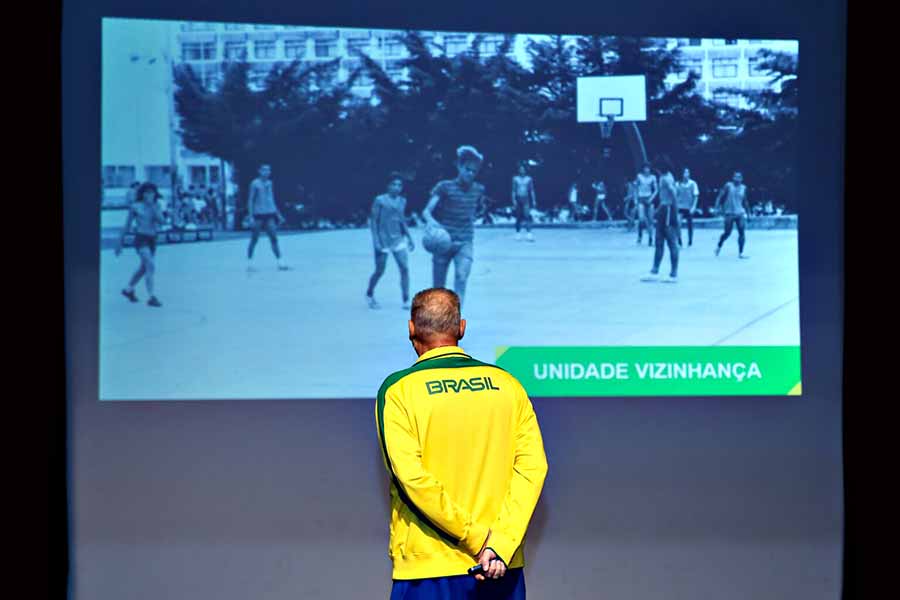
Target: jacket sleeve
point(421, 489)
point(529, 472)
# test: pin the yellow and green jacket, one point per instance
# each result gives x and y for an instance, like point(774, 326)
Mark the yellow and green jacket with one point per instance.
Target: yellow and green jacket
point(464, 452)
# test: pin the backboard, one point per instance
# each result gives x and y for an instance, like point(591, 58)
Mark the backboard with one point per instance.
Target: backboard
point(624, 97)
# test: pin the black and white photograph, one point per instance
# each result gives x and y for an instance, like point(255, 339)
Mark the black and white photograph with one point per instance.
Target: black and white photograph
point(273, 195)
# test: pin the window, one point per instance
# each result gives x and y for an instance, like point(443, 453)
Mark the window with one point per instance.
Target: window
point(195, 26)
point(694, 42)
point(198, 51)
point(326, 48)
point(210, 75)
point(159, 175)
point(456, 44)
point(363, 79)
point(118, 176)
point(692, 64)
point(191, 51)
point(264, 49)
point(755, 69)
point(724, 68)
point(725, 97)
point(235, 51)
point(350, 65)
point(294, 48)
point(490, 47)
point(256, 77)
point(214, 175)
point(355, 45)
point(392, 48)
point(731, 42)
point(198, 175)
point(394, 70)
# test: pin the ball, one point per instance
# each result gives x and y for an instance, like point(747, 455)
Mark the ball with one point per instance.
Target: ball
point(436, 240)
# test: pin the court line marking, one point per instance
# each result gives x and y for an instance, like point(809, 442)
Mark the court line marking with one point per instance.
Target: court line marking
point(754, 321)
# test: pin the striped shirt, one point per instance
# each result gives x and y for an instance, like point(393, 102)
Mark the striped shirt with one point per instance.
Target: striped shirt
point(387, 220)
point(456, 208)
point(262, 197)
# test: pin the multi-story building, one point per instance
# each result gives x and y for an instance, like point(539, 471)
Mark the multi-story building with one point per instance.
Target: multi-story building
point(727, 66)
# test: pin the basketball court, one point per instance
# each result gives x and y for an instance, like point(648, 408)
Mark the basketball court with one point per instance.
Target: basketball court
point(224, 333)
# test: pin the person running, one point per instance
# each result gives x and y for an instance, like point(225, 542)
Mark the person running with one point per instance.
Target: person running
point(389, 232)
point(647, 189)
point(735, 211)
point(600, 199)
point(145, 216)
point(453, 206)
point(263, 214)
point(524, 201)
point(667, 224)
point(688, 195)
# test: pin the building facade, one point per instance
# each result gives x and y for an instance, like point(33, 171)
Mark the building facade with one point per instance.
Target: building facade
point(726, 66)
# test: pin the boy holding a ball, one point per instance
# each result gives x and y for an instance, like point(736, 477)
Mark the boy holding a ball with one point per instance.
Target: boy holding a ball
point(453, 207)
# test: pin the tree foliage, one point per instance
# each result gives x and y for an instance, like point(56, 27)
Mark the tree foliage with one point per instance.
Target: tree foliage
point(339, 147)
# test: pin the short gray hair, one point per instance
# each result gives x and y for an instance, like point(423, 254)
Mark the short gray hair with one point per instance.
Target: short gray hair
point(435, 313)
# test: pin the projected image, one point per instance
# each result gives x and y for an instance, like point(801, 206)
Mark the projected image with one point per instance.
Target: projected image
point(618, 214)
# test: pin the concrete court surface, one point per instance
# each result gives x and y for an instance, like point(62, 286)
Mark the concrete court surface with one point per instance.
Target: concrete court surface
point(307, 333)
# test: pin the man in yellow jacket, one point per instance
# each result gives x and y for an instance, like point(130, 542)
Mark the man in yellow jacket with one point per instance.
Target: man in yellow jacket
point(464, 452)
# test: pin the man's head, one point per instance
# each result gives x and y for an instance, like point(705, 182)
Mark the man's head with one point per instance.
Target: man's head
point(265, 171)
point(738, 177)
point(645, 169)
point(395, 183)
point(147, 192)
point(435, 320)
point(468, 163)
point(523, 171)
point(686, 174)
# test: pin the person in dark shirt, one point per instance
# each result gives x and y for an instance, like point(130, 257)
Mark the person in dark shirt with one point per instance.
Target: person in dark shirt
point(667, 223)
point(453, 206)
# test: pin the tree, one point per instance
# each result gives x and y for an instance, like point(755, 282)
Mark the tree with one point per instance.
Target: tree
point(416, 125)
point(765, 148)
point(286, 123)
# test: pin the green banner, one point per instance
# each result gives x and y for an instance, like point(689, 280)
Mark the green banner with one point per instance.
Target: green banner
point(559, 371)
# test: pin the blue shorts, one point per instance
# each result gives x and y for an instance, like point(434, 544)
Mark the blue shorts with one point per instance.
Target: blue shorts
point(462, 587)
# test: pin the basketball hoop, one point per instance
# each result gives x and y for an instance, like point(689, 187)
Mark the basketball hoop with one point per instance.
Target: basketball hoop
point(607, 126)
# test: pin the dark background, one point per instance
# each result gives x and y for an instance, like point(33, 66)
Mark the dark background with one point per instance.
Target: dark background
point(646, 498)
